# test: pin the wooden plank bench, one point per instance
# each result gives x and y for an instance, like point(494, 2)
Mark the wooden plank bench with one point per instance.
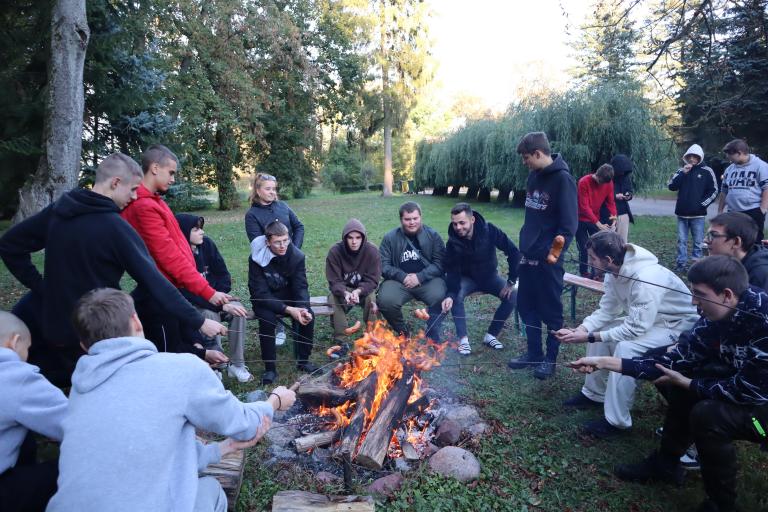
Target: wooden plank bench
point(229, 471)
point(574, 282)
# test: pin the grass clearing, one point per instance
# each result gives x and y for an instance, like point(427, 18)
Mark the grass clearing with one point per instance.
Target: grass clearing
point(534, 459)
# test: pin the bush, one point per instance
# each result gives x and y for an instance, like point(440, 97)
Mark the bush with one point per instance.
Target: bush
point(187, 197)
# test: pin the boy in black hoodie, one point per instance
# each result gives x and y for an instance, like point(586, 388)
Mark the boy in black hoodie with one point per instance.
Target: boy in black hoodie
point(87, 245)
point(212, 267)
point(550, 210)
point(277, 280)
point(470, 266)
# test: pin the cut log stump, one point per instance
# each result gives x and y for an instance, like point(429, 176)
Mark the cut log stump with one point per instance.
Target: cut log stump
point(302, 501)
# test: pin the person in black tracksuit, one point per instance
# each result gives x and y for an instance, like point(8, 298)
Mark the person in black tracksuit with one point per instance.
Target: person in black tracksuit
point(87, 245)
point(471, 265)
point(550, 210)
point(623, 192)
point(277, 281)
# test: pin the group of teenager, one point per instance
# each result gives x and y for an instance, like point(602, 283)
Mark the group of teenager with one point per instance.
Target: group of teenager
point(127, 428)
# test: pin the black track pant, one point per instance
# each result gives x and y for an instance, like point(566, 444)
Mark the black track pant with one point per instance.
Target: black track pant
point(28, 486)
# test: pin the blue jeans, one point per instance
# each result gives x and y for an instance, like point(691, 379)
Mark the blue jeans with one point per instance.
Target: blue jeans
point(696, 227)
point(469, 286)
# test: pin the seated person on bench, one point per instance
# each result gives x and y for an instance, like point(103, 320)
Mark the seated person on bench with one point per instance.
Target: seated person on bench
point(471, 266)
point(353, 270)
point(129, 435)
point(277, 280)
point(212, 266)
point(653, 316)
point(713, 412)
point(30, 404)
point(412, 267)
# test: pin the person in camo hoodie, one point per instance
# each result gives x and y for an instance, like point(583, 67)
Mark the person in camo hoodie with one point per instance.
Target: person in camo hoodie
point(696, 188)
point(353, 270)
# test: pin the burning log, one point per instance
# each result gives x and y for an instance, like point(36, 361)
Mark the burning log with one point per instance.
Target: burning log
point(318, 440)
point(320, 391)
point(365, 392)
point(374, 447)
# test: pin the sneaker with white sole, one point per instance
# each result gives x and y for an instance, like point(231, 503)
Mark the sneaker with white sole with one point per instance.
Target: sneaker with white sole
point(690, 459)
point(464, 348)
point(492, 342)
point(280, 335)
point(239, 372)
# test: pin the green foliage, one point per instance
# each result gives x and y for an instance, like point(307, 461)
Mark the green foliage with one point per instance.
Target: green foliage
point(187, 197)
point(586, 126)
point(343, 168)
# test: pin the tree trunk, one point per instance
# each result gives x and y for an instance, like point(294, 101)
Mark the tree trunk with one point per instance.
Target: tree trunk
point(386, 105)
point(454, 191)
point(228, 199)
point(388, 179)
point(503, 197)
point(518, 199)
point(484, 196)
point(59, 167)
point(472, 193)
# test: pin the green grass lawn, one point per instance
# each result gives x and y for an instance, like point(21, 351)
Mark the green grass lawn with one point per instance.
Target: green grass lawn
point(534, 457)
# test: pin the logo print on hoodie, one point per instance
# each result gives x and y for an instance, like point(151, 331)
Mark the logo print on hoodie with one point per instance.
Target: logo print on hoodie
point(537, 200)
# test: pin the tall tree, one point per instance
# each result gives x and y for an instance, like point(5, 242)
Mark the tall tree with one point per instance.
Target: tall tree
point(59, 164)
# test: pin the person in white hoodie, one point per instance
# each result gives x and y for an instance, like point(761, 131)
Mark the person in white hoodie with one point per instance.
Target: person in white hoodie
point(745, 184)
point(129, 435)
point(644, 306)
point(28, 403)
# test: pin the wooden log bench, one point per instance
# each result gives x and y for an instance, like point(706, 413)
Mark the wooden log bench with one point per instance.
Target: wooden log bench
point(573, 283)
point(229, 471)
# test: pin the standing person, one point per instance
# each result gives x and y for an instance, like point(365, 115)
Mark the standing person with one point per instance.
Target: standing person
point(265, 209)
point(87, 245)
point(734, 234)
point(710, 411)
point(353, 271)
point(645, 306)
point(745, 184)
point(594, 190)
point(212, 267)
point(471, 266)
point(412, 266)
point(623, 193)
point(129, 434)
point(550, 210)
point(30, 404)
point(696, 188)
point(155, 223)
point(277, 280)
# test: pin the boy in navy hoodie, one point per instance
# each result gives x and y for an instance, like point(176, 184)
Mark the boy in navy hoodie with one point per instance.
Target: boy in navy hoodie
point(550, 210)
point(30, 404)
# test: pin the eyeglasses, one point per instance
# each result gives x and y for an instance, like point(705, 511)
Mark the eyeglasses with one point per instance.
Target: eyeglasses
point(267, 177)
point(711, 235)
point(280, 243)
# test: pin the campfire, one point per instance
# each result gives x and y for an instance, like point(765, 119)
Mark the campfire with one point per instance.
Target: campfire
point(374, 406)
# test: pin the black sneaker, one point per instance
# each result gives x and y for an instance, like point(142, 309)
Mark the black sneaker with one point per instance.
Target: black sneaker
point(601, 429)
point(307, 367)
point(581, 401)
point(268, 377)
point(521, 362)
point(654, 468)
point(544, 370)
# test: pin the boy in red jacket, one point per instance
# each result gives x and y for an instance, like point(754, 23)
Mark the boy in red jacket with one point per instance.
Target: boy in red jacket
point(151, 217)
point(593, 190)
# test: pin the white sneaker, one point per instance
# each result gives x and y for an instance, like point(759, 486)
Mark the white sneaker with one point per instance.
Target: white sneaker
point(218, 375)
point(492, 342)
point(280, 335)
point(240, 373)
point(464, 348)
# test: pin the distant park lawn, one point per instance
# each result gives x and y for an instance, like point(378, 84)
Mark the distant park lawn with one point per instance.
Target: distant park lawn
point(535, 458)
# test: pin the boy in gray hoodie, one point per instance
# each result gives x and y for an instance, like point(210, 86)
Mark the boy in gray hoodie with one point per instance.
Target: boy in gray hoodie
point(29, 404)
point(129, 436)
point(745, 184)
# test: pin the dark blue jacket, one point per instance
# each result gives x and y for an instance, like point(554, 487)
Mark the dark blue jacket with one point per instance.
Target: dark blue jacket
point(739, 342)
point(259, 216)
point(476, 258)
point(213, 268)
point(284, 276)
point(551, 209)
point(696, 190)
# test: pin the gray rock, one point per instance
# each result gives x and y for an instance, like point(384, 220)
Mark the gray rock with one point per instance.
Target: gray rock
point(281, 453)
point(478, 429)
point(282, 435)
point(448, 433)
point(464, 415)
point(386, 486)
point(455, 462)
point(409, 452)
point(431, 449)
point(327, 478)
point(321, 454)
point(402, 465)
point(258, 395)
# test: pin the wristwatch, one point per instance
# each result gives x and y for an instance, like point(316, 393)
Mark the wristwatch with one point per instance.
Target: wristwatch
point(591, 337)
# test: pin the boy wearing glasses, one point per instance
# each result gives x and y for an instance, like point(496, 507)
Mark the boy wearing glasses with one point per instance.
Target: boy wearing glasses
point(734, 234)
point(745, 184)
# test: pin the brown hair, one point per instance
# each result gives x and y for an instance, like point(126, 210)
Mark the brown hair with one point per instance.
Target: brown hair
point(256, 185)
point(461, 207)
point(532, 142)
point(102, 314)
point(156, 154)
point(720, 272)
point(608, 244)
point(605, 173)
point(117, 165)
point(409, 207)
point(738, 224)
point(736, 146)
point(275, 228)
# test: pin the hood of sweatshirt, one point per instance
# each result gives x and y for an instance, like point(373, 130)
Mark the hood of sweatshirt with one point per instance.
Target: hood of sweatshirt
point(621, 165)
point(83, 202)
point(635, 259)
point(757, 257)
point(107, 357)
point(696, 150)
point(558, 164)
point(350, 226)
point(188, 222)
point(260, 252)
point(478, 229)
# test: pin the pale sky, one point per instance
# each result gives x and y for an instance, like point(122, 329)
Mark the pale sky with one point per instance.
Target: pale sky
point(493, 48)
